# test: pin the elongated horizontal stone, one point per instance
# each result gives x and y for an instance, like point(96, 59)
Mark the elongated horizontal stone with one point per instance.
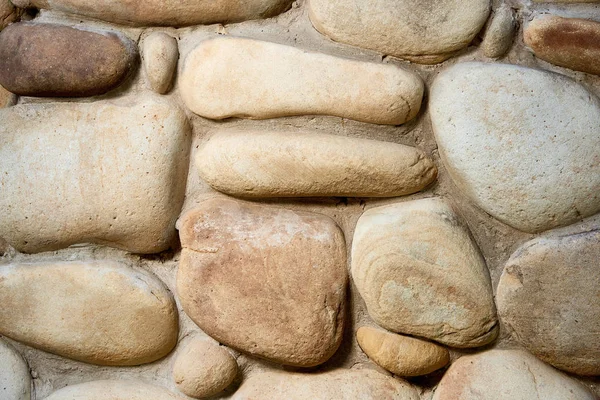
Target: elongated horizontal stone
point(300, 164)
point(60, 61)
point(111, 173)
point(113, 390)
point(100, 312)
point(236, 77)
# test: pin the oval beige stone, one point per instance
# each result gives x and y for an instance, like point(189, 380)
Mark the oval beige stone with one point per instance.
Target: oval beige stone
point(303, 164)
point(401, 355)
point(236, 77)
point(99, 312)
point(160, 53)
point(500, 33)
point(113, 390)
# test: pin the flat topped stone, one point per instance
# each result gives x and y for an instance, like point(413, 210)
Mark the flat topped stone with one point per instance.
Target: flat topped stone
point(264, 280)
point(60, 61)
point(519, 142)
point(236, 77)
point(99, 312)
point(303, 164)
point(113, 390)
point(15, 380)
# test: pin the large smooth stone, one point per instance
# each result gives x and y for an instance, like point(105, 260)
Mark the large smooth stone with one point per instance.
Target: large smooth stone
point(111, 173)
point(113, 390)
point(60, 61)
point(15, 380)
point(267, 281)
point(420, 273)
point(336, 385)
point(424, 31)
point(507, 375)
point(520, 143)
point(559, 278)
point(302, 164)
point(236, 77)
point(99, 312)
point(160, 53)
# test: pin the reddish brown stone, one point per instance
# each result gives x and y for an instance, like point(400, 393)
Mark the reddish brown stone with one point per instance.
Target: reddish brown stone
point(8, 13)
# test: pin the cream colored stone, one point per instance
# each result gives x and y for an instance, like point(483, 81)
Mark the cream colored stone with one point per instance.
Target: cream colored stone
point(336, 385)
point(7, 98)
point(100, 312)
point(303, 164)
point(15, 380)
point(402, 355)
point(113, 390)
point(203, 369)
point(236, 77)
point(106, 172)
point(420, 273)
point(160, 53)
point(507, 375)
point(500, 33)
point(426, 31)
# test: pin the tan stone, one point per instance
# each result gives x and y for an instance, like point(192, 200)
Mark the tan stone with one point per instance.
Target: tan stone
point(566, 1)
point(106, 172)
point(303, 164)
point(236, 77)
point(113, 390)
point(8, 13)
point(203, 369)
point(100, 312)
point(7, 98)
point(500, 33)
point(160, 54)
point(402, 355)
point(15, 380)
point(264, 280)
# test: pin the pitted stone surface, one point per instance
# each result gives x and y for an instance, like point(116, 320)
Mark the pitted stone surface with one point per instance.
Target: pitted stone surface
point(113, 390)
point(15, 380)
point(500, 33)
point(160, 54)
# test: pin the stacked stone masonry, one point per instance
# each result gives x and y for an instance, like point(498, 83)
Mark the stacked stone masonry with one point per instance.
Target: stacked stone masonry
point(300, 199)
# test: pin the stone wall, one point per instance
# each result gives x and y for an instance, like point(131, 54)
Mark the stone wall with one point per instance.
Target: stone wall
point(318, 199)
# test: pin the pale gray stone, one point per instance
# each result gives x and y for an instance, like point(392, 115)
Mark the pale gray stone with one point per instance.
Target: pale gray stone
point(500, 33)
point(113, 390)
point(15, 380)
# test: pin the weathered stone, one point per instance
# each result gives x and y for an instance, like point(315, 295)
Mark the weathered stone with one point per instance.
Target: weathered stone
point(7, 98)
point(507, 375)
point(500, 33)
point(236, 77)
point(160, 53)
point(8, 13)
point(426, 32)
point(338, 385)
point(520, 143)
point(558, 278)
point(402, 355)
point(113, 390)
point(204, 369)
point(566, 1)
point(267, 281)
point(60, 61)
point(100, 312)
point(568, 42)
point(301, 164)
point(15, 381)
point(111, 173)
point(420, 273)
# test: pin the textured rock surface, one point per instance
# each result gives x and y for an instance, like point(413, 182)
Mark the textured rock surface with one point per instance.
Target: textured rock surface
point(160, 54)
point(8, 13)
point(568, 42)
point(204, 369)
point(520, 143)
point(117, 172)
point(420, 273)
point(402, 355)
point(338, 385)
point(559, 278)
point(15, 381)
point(300, 164)
point(97, 312)
point(113, 390)
point(7, 98)
point(271, 80)
point(500, 33)
point(422, 31)
point(268, 281)
point(60, 61)
point(507, 375)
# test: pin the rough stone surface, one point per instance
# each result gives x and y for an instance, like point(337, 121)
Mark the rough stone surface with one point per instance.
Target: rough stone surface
point(500, 33)
point(427, 31)
point(117, 172)
point(420, 273)
point(337, 385)
point(402, 355)
point(507, 375)
point(237, 77)
point(558, 278)
point(15, 381)
point(268, 281)
point(204, 369)
point(7, 98)
point(160, 54)
point(60, 61)
point(520, 143)
point(8, 13)
point(302, 164)
point(568, 42)
point(100, 312)
point(113, 390)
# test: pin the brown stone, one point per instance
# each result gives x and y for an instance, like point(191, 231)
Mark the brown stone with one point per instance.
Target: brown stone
point(267, 281)
point(8, 13)
point(60, 61)
point(7, 98)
